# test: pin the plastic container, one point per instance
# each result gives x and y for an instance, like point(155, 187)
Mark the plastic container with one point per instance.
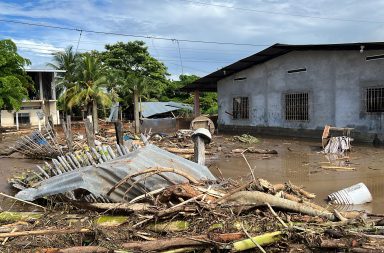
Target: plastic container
point(354, 195)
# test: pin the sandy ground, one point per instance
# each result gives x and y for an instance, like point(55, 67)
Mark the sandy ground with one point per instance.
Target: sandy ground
point(297, 161)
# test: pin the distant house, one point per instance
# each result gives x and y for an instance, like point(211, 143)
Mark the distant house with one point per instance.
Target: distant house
point(162, 109)
point(297, 89)
point(43, 101)
point(162, 116)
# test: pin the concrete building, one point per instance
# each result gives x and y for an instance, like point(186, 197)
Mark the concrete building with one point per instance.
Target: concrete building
point(297, 89)
point(43, 101)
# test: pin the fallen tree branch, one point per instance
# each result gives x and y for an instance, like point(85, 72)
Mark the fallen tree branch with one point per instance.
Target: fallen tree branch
point(45, 232)
point(164, 244)
point(260, 198)
point(123, 207)
point(155, 171)
point(79, 249)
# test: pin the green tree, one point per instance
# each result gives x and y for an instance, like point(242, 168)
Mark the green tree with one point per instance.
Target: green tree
point(136, 87)
point(14, 82)
point(208, 100)
point(67, 60)
point(133, 59)
point(141, 75)
point(90, 89)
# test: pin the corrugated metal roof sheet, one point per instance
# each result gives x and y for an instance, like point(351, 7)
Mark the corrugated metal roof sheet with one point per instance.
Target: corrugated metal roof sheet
point(99, 179)
point(149, 109)
point(209, 82)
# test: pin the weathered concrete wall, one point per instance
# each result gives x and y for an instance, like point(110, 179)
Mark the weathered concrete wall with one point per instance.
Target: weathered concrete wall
point(30, 107)
point(335, 80)
point(158, 125)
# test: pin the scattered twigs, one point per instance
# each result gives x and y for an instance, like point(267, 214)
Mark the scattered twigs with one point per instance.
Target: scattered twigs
point(301, 191)
point(240, 188)
point(339, 216)
point(122, 207)
point(153, 171)
point(253, 240)
point(249, 166)
point(277, 216)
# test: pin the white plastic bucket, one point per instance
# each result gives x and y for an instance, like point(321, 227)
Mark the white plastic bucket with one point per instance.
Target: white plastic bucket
point(354, 195)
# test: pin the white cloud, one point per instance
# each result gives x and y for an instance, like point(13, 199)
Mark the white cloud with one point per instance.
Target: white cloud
point(186, 20)
point(40, 48)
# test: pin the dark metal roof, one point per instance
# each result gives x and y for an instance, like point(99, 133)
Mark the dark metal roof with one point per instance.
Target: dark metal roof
point(209, 82)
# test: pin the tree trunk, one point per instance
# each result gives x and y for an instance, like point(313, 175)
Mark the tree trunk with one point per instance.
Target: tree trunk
point(95, 117)
point(136, 109)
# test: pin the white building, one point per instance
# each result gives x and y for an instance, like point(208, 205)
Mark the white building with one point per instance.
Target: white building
point(42, 100)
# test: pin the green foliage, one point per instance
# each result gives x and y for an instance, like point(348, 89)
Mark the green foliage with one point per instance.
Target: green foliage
point(132, 60)
point(91, 84)
point(14, 82)
point(68, 61)
point(122, 69)
point(208, 100)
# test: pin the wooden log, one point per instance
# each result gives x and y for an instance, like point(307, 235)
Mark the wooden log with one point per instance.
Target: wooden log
point(164, 244)
point(89, 133)
point(78, 249)
point(199, 150)
point(119, 132)
point(45, 232)
point(51, 125)
point(69, 135)
point(186, 151)
point(301, 191)
point(204, 240)
point(260, 199)
point(338, 168)
point(297, 199)
point(261, 151)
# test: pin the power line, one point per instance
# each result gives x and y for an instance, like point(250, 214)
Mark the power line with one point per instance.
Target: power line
point(130, 35)
point(282, 13)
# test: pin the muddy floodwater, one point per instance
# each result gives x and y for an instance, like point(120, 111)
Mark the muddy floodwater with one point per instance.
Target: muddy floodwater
point(298, 161)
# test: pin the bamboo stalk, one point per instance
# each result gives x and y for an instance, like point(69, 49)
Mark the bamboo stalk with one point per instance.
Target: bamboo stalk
point(262, 240)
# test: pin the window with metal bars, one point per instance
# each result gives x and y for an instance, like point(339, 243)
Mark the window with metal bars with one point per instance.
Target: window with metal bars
point(296, 106)
point(240, 108)
point(24, 118)
point(375, 99)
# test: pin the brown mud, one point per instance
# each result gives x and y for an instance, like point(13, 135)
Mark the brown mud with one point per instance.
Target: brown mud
point(299, 161)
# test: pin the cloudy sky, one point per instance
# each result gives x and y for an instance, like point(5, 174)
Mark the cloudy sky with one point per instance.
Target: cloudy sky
point(248, 26)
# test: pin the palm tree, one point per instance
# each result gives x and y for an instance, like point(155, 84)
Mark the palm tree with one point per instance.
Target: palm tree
point(90, 89)
point(66, 60)
point(138, 86)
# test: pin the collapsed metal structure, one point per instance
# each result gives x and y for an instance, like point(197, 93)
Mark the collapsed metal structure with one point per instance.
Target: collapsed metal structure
point(96, 172)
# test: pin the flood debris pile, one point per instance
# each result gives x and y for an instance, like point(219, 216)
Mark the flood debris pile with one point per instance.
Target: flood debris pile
point(245, 138)
point(146, 199)
point(39, 144)
point(159, 202)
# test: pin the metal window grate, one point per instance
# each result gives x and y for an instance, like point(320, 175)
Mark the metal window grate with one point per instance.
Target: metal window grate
point(24, 118)
point(240, 108)
point(296, 106)
point(375, 99)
